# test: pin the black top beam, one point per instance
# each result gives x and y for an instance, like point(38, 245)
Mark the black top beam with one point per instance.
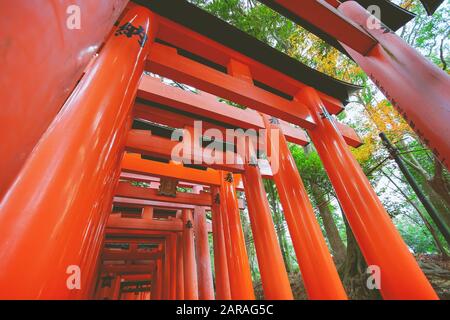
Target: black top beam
point(392, 16)
point(202, 22)
point(431, 5)
point(305, 25)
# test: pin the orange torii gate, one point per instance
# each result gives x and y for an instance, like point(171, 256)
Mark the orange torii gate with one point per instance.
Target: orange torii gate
point(146, 222)
point(61, 195)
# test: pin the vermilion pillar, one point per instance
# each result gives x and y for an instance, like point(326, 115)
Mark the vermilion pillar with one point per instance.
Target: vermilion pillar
point(78, 156)
point(57, 54)
point(220, 259)
point(166, 266)
point(116, 289)
point(270, 260)
point(271, 265)
point(180, 270)
point(240, 278)
point(94, 262)
point(380, 243)
point(157, 282)
point(204, 274)
point(190, 268)
point(124, 296)
point(417, 88)
point(104, 287)
point(129, 296)
point(147, 213)
point(173, 266)
point(316, 265)
point(160, 281)
point(227, 242)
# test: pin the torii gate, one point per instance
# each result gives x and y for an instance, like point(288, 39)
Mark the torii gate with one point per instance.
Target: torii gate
point(60, 197)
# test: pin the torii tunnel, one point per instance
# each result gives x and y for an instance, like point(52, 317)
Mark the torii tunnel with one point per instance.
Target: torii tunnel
point(93, 204)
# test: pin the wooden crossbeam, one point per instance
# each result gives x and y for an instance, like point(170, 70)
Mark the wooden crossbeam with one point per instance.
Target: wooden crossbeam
point(116, 222)
point(136, 277)
point(140, 203)
point(141, 141)
point(125, 189)
point(136, 233)
point(111, 255)
point(151, 179)
point(171, 118)
point(221, 42)
point(167, 62)
point(204, 105)
point(131, 241)
point(349, 134)
point(134, 164)
point(128, 268)
point(173, 225)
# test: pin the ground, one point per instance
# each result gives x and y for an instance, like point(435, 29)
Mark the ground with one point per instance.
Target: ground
point(436, 270)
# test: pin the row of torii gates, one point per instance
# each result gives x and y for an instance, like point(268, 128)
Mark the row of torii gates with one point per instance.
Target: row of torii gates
point(108, 146)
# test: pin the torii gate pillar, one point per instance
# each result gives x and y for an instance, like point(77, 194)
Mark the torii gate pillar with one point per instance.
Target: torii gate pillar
point(380, 243)
point(417, 88)
point(316, 265)
point(78, 155)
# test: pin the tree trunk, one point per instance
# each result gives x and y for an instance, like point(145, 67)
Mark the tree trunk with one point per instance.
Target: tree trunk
point(332, 232)
point(353, 271)
point(432, 231)
point(278, 220)
point(428, 225)
point(440, 184)
point(249, 246)
point(437, 200)
point(436, 187)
